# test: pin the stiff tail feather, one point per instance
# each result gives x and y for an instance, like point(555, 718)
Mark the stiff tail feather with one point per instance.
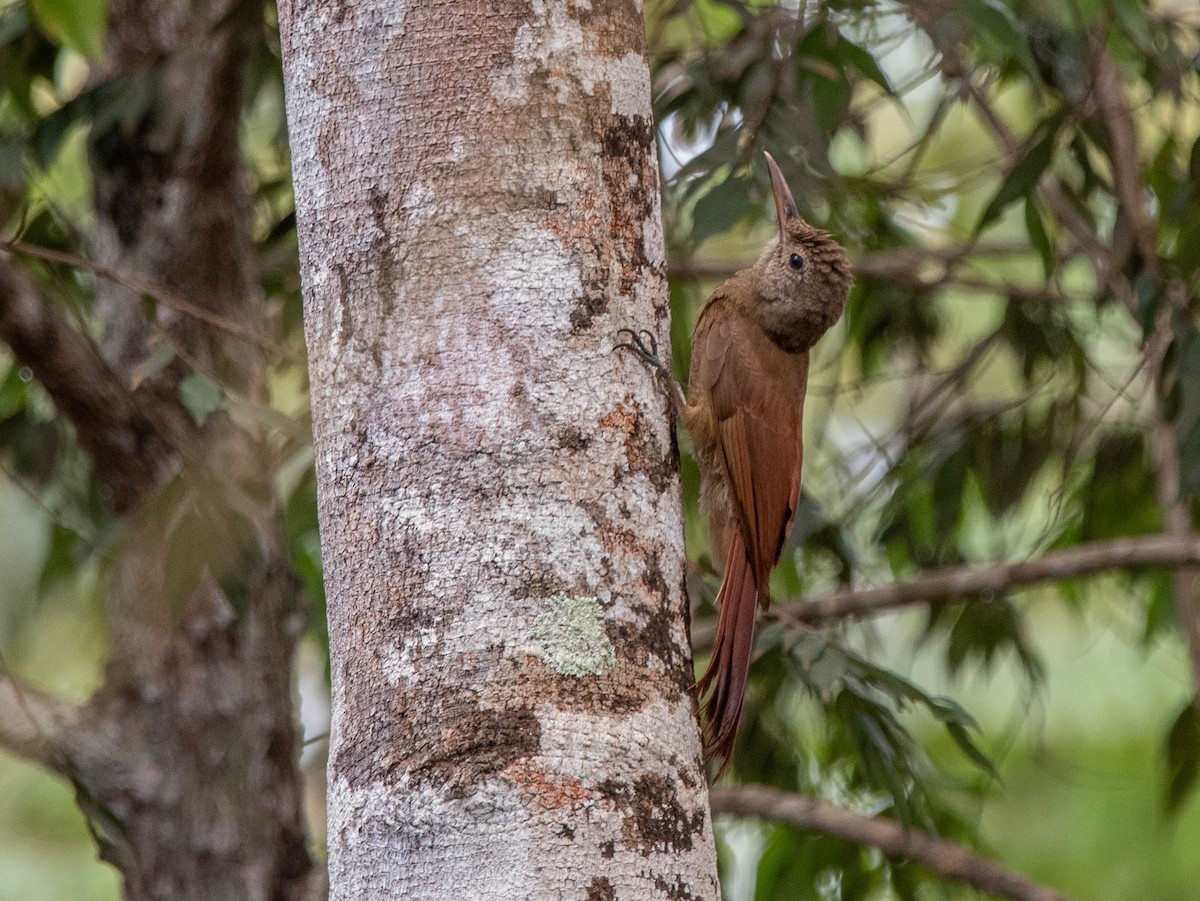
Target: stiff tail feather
point(729, 666)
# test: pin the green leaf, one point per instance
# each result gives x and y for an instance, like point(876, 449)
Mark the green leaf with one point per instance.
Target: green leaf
point(1023, 177)
point(1160, 611)
point(864, 62)
point(1038, 235)
point(996, 30)
point(200, 395)
point(1194, 166)
point(122, 101)
point(61, 561)
point(80, 25)
point(1183, 756)
point(962, 738)
point(720, 209)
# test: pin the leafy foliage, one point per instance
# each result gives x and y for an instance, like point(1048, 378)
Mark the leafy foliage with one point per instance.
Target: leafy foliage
point(991, 392)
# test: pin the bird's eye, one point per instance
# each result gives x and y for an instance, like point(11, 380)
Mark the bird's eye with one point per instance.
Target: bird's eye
point(796, 262)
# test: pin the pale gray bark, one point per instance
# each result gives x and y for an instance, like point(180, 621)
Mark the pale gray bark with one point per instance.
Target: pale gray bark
point(477, 199)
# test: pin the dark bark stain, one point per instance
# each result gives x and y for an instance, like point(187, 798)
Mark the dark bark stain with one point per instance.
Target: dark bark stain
point(329, 135)
point(651, 635)
point(383, 248)
point(626, 161)
point(601, 889)
point(362, 761)
point(474, 744)
point(592, 304)
point(572, 438)
point(471, 743)
point(655, 820)
point(656, 638)
point(675, 891)
point(541, 584)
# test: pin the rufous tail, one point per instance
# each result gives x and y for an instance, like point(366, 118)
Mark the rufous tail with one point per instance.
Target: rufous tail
point(724, 681)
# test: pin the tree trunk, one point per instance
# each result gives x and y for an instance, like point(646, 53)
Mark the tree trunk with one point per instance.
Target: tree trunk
point(186, 761)
point(477, 198)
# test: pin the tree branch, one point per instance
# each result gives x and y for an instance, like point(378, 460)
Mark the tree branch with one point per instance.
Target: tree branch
point(1109, 93)
point(955, 583)
point(948, 860)
point(1117, 119)
point(126, 447)
point(34, 725)
point(141, 286)
point(1176, 510)
point(917, 267)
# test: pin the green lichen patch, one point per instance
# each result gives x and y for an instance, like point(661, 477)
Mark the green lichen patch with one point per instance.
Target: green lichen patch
point(571, 632)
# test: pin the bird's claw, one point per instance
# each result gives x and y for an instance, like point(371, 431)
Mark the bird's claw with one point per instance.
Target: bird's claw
point(643, 343)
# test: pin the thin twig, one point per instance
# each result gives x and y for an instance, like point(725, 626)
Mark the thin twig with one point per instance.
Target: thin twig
point(33, 724)
point(1176, 509)
point(958, 583)
point(1109, 93)
point(949, 860)
point(134, 283)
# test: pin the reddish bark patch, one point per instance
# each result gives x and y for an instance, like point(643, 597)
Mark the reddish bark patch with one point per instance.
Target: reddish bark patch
point(434, 61)
point(642, 452)
point(610, 29)
point(619, 690)
point(548, 791)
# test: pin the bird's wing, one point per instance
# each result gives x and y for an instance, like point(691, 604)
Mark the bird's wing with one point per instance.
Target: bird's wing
point(756, 390)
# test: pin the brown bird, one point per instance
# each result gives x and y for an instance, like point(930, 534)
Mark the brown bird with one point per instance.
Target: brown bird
point(744, 409)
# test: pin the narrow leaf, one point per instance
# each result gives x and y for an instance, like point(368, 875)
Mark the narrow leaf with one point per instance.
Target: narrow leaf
point(1038, 235)
point(864, 62)
point(1023, 177)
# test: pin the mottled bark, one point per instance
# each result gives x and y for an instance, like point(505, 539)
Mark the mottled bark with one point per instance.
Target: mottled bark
point(186, 760)
point(477, 197)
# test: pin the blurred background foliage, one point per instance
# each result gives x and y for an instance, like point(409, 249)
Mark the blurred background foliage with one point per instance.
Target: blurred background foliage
point(1019, 353)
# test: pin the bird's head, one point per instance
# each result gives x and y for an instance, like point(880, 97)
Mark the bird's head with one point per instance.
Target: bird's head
point(802, 278)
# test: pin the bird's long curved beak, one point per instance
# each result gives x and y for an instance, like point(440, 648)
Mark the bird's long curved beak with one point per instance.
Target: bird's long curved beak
point(785, 206)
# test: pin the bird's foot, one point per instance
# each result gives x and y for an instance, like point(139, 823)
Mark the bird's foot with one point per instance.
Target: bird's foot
point(645, 345)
